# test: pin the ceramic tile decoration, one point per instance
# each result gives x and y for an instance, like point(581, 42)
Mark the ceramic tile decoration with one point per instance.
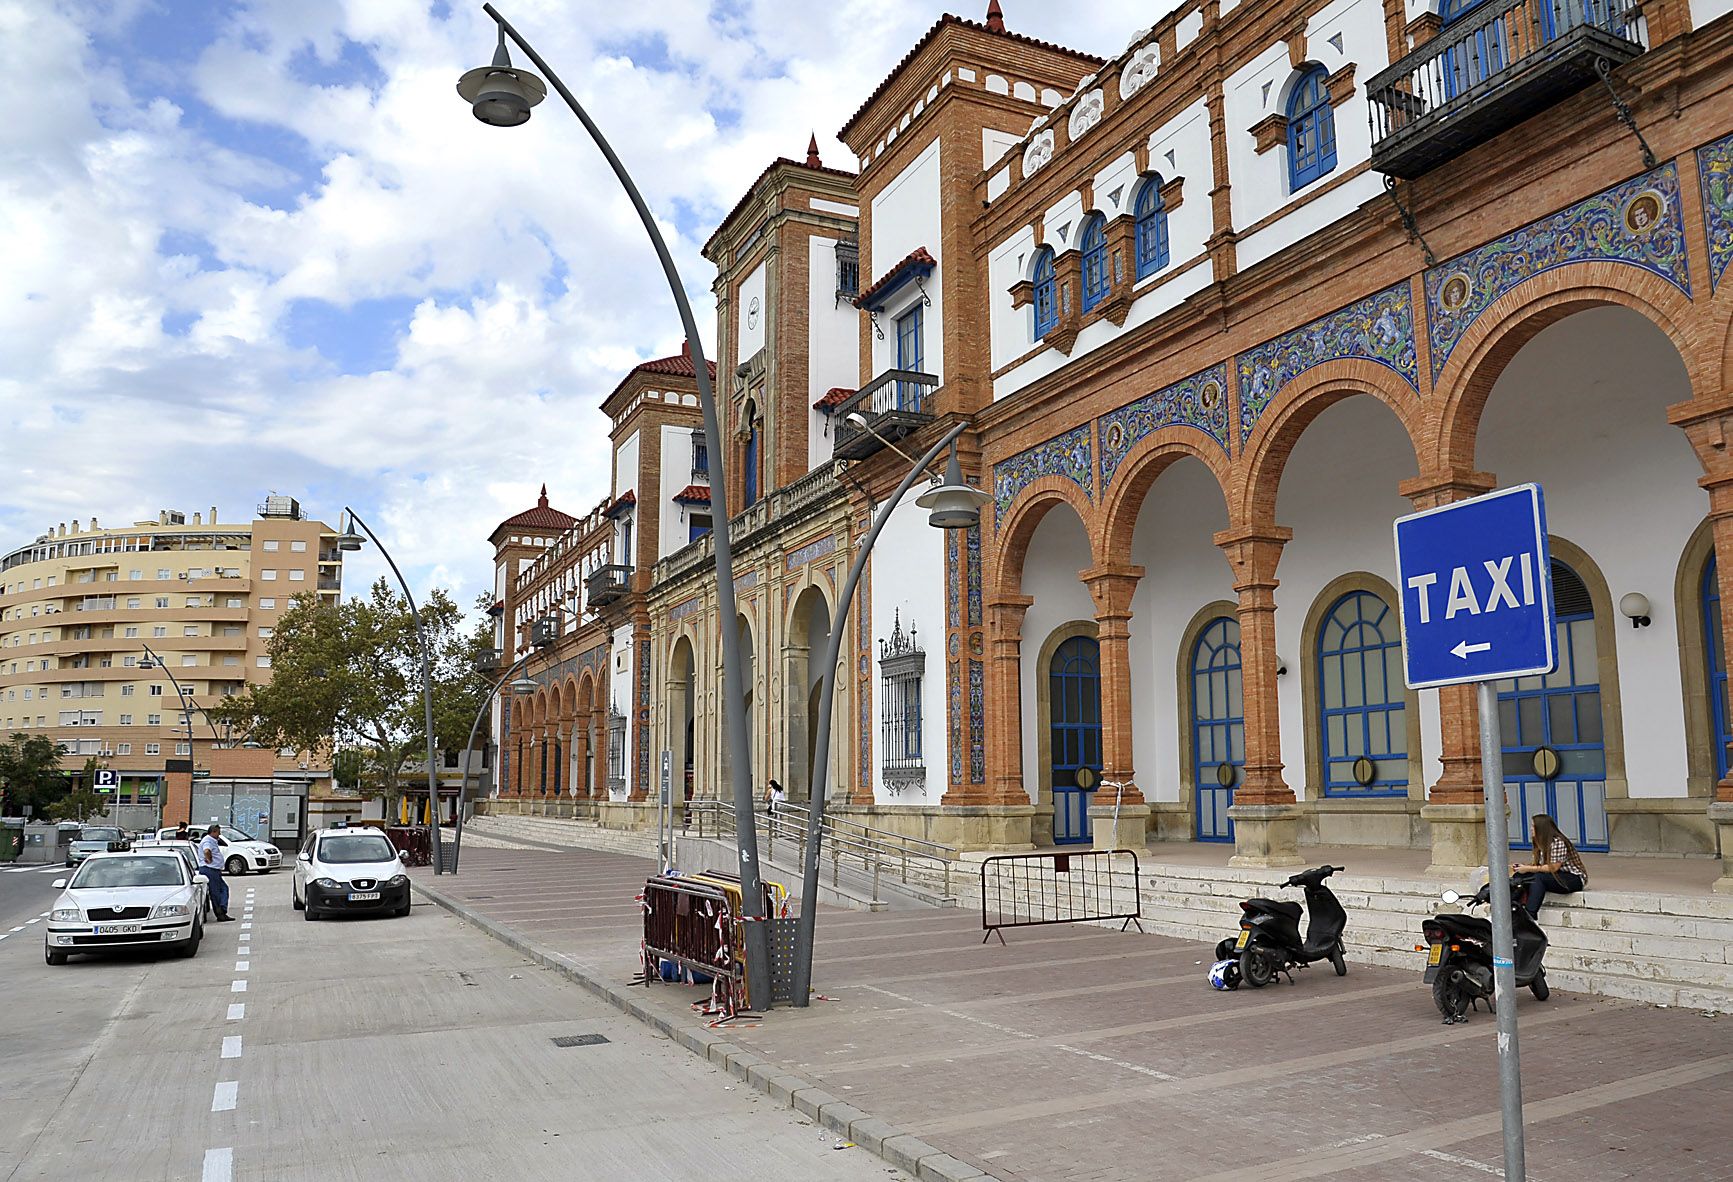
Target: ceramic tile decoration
point(974, 548)
point(681, 610)
point(1637, 222)
point(1715, 171)
point(1378, 328)
point(954, 723)
point(1199, 402)
point(977, 722)
point(953, 573)
point(811, 551)
point(1070, 455)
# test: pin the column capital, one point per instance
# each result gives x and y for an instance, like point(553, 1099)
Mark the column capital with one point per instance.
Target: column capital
point(1253, 551)
point(1007, 611)
point(1112, 586)
point(1446, 487)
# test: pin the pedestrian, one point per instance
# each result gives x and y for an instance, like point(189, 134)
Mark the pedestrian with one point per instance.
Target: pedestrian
point(211, 866)
point(182, 833)
point(1559, 869)
point(774, 797)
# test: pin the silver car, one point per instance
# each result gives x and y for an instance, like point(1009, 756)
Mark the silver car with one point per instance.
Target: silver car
point(126, 900)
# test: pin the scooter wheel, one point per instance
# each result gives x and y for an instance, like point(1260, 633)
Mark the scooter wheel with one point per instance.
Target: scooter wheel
point(1339, 961)
point(1225, 949)
point(1452, 999)
point(1539, 987)
point(1257, 966)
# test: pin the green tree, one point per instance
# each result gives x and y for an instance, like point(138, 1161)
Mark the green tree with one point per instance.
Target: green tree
point(349, 674)
point(30, 773)
point(83, 800)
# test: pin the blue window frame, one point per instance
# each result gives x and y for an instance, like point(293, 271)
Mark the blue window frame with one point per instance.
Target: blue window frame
point(1046, 306)
point(1096, 281)
point(700, 456)
point(750, 493)
point(1363, 711)
point(1311, 130)
point(699, 524)
point(626, 542)
point(1151, 229)
point(1074, 704)
point(1717, 658)
point(911, 355)
point(1218, 726)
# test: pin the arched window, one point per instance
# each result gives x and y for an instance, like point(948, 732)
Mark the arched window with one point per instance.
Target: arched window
point(1094, 248)
point(1717, 657)
point(1074, 733)
point(1046, 307)
point(1363, 712)
point(1151, 229)
point(1218, 723)
point(1311, 130)
point(750, 466)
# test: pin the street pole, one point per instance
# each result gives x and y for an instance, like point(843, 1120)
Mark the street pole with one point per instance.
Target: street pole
point(804, 932)
point(1503, 939)
point(757, 937)
point(426, 688)
point(469, 744)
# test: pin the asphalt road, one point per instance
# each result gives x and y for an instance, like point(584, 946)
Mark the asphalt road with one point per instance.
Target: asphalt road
point(25, 893)
point(364, 1049)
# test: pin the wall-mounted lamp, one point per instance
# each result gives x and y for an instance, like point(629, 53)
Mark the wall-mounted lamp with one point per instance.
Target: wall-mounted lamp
point(1281, 665)
point(1635, 608)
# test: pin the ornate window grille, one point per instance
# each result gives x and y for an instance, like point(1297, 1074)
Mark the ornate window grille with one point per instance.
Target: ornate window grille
point(616, 750)
point(847, 271)
point(902, 665)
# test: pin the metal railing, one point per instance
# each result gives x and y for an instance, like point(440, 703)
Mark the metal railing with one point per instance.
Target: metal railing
point(782, 506)
point(1032, 890)
point(895, 403)
point(1495, 52)
point(607, 584)
point(850, 845)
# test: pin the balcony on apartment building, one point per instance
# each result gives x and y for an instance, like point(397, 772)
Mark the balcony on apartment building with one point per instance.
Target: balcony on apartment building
point(607, 584)
point(896, 403)
point(1487, 71)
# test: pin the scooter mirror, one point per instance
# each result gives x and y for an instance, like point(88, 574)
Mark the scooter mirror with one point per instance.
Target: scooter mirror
point(1451, 897)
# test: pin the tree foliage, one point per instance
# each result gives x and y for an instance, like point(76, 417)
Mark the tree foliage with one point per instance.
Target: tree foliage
point(348, 674)
point(30, 772)
point(83, 800)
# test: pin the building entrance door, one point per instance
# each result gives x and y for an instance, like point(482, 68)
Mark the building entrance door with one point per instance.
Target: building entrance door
point(1074, 732)
point(1218, 719)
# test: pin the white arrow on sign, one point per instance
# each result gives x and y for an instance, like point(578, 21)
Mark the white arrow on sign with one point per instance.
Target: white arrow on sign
point(1463, 648)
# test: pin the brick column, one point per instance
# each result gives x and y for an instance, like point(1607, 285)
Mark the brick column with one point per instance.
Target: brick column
point(1112, 587)
point(1265, 814)
point(1005, 699)
point(1455, 802)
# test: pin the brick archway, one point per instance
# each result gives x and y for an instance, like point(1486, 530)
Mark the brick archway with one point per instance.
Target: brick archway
point(1137, 475)
point(1016, 528)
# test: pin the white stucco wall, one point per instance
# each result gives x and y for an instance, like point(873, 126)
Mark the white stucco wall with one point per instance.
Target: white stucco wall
point(908, 576)
point(1057, 551)
point(1704, 11)
point(749, 329)
point(833, 345)
point(905, 216)
point(622, 685)
point(676, 474)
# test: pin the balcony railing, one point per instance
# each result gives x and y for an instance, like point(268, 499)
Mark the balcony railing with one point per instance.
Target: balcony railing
point(894, 404)
point(782, 506)
point(1489, 71)
point(607, 584)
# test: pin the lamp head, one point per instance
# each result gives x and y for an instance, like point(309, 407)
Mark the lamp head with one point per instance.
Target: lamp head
point(351, 539)
point(523, 685)
point(1635, 607)
point(953, 504)
point(147, 663)
point(498, 94)
point(854, 418)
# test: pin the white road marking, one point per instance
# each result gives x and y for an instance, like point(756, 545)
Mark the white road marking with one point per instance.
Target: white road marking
point(19, 928)
point(245, 926)
point(219, 1165)
point(232, 1047)
point(38, 919)
point(241, 966)
point(223, 1099)
point(237, 987)
point(19, 870)
point(5, 935)
point(1467, 1163)
point(56, 870)
point(237, 1011)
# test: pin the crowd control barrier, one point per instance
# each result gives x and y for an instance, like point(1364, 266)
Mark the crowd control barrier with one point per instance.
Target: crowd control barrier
point(1031, 890)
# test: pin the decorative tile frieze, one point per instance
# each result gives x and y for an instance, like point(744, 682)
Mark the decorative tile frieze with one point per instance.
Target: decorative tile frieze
point(1715, 172)
point(974, 550)
point(1070, 455)
point(1378, 328)
point(1638, 222)
point(812, 551)
point(977, 722)
point(681, 610)
point(1199, 402)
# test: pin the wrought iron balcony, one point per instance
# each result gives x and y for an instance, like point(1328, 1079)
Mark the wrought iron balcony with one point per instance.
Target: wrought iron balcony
point(1489, 71)
point(894, 404)
point(607, 584)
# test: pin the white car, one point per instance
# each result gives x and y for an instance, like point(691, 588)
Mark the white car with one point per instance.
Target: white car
point(94, 839)
point(186, 850)
point(349, 869)
point(242, 852)
point(125, 900)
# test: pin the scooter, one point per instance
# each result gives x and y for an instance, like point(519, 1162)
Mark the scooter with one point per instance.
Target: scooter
point(1459, 954)
point(1269, 941)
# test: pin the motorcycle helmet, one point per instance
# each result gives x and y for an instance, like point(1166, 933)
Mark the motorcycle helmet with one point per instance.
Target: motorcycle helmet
point(1225, 974)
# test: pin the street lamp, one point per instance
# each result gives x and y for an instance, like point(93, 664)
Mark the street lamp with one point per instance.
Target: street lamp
point(495, 99)
point(349, 540)
point(522, 685)
point(951, 504)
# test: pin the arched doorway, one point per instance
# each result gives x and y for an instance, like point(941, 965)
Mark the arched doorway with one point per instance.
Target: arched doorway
point(1218, 726)
point(1716, 673)
point(1555, 758)
point(808, 634)
point(1074, 734)
point(682, 695)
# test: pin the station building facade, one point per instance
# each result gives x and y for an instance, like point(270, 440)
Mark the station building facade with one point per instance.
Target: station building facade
point(1218, 308)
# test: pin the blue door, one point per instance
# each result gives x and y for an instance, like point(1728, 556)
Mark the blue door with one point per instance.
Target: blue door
point(1719, 714)
point(1218, 726)
point(1074, 697)
point(1555, 761)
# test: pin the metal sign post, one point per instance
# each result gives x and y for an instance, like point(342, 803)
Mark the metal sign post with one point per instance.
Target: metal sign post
point(665, 811)
point(1475, 581)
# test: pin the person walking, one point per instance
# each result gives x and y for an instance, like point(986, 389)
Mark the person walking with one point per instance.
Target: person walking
point(211, 866)
point(182, 833)
point(1559, 869)
point(774, 798)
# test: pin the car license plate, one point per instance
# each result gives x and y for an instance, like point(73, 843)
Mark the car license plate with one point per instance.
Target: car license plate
point(115, 929)
point(1245, 937)
point(1435, 954)
point(363, 896)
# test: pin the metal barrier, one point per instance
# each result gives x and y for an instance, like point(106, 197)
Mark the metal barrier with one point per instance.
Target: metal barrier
point(696, 923)
point(1031, 890)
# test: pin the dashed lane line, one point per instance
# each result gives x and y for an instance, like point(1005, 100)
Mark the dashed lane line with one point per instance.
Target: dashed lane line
point(237, 1011)
point(219, 1166)
point(238, 986)
point(224, 1098)
point(242, 965)
point(232, 1047)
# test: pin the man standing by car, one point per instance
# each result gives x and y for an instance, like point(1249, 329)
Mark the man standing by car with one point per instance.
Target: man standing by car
point(211, 866)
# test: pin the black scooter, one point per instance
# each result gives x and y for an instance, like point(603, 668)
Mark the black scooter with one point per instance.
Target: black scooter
point(1269, 941)
point(1459, 954)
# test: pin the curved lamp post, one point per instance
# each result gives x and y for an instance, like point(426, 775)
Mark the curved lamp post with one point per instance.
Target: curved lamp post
point(522, 685)
point(951, 504)
point(502, 96)
point(153, 661)
point(351, 541)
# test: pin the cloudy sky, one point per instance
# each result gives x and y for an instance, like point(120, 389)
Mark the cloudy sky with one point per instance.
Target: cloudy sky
point(262, 246)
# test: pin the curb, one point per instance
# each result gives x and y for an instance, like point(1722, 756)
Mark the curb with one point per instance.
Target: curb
point(899, 1148)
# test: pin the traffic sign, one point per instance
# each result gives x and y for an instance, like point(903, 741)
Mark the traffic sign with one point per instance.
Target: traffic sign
point(107, 777)
point(1475, 583)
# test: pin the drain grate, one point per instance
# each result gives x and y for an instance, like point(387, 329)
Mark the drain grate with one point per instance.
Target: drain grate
point(579, 1040)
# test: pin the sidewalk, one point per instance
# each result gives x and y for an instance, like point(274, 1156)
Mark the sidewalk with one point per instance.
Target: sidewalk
point(1080, 1053)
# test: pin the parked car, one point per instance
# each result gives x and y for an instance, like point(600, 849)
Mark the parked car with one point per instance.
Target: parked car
point(126, 900)
point(94, 839)
point(242, 852)
point(188, 851)
point(349, 869)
